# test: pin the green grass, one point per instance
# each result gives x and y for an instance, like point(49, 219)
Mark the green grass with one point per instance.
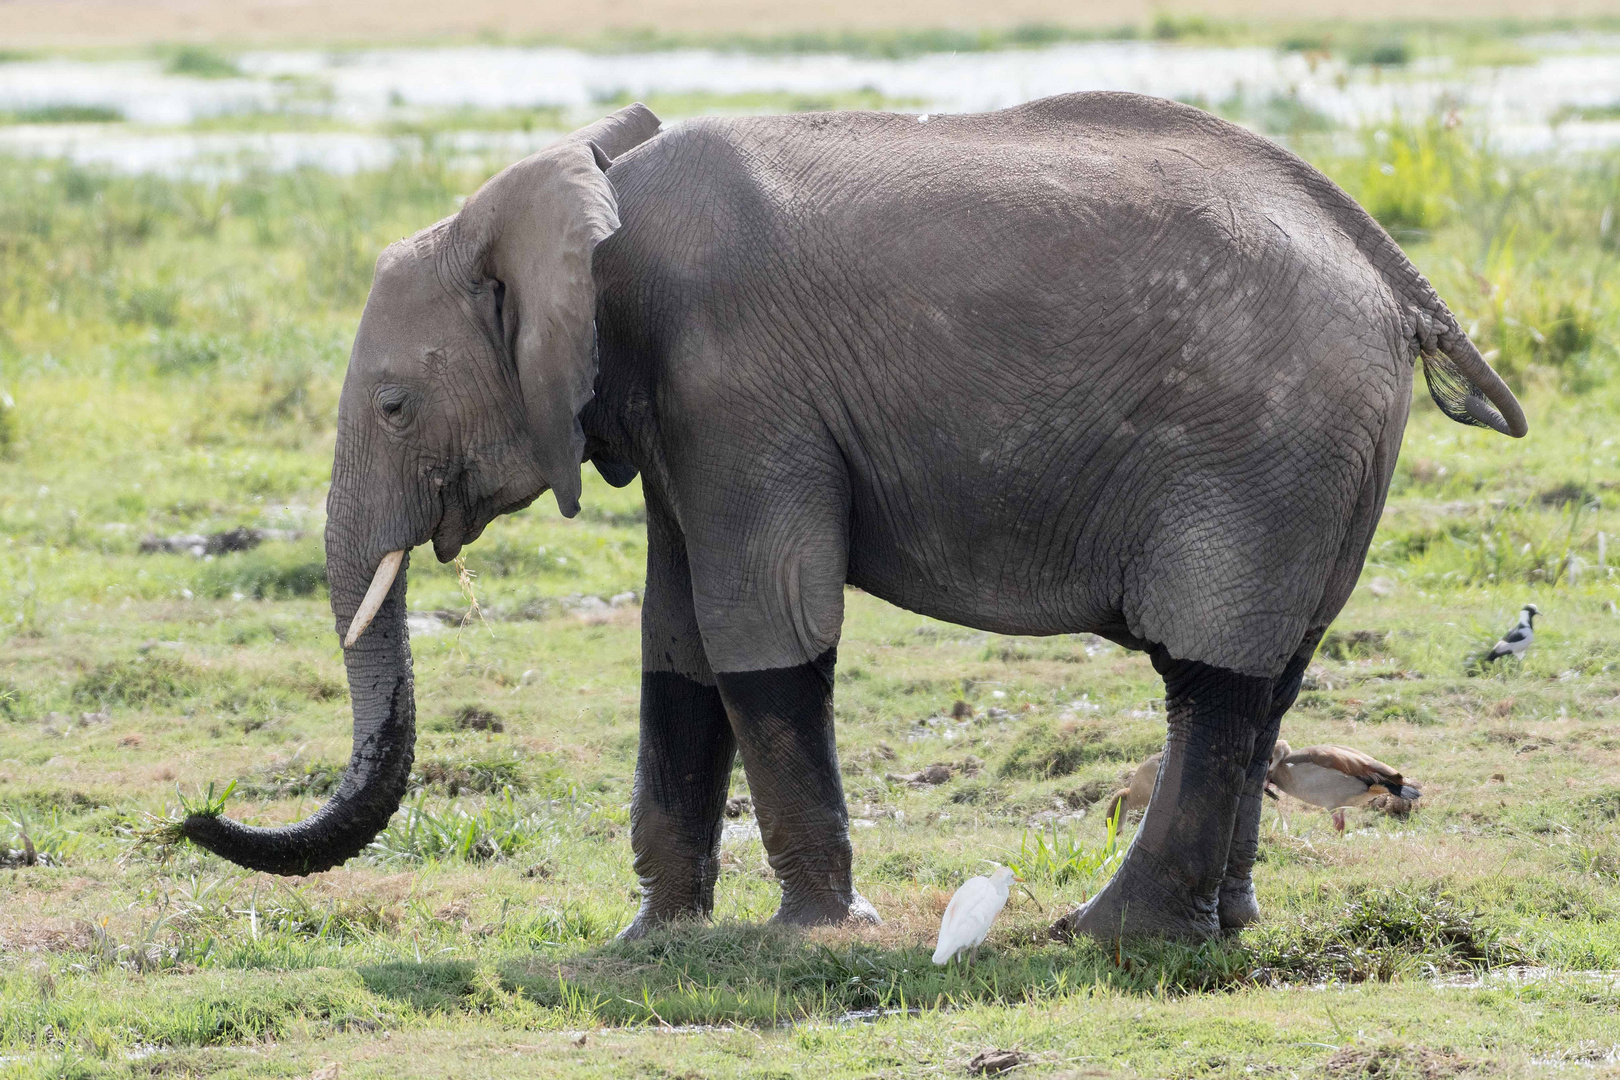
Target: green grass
point(64, 114)
point(1387, 42)
point(200, 62)
point(170, 354)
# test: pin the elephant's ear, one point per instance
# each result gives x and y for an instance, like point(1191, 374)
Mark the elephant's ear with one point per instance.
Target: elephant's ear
point(537, 223)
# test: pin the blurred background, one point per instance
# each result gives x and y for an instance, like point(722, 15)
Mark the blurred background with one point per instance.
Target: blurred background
point(192, 194)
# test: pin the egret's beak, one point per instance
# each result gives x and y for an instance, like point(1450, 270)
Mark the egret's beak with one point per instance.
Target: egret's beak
point(1017, 877)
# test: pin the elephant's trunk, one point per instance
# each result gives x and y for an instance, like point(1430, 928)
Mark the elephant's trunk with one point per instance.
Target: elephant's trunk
point(380, 686)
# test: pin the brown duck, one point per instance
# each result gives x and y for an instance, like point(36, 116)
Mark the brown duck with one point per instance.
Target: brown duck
point(1337, 776)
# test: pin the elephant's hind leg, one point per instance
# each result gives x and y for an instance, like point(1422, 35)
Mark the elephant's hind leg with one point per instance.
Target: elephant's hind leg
point(1238, 906)
point(683, 764)
point(1169, 883)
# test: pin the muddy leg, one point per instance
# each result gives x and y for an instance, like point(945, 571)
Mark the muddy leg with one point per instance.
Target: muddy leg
point(783, 719)
point(1170, 880)
point(1238, 907)
point(683, 763)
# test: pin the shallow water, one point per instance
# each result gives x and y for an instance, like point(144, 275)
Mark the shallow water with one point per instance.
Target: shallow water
point(1517, 103)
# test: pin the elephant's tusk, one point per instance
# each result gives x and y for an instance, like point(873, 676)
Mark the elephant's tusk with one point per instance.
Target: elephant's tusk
point(380, 584)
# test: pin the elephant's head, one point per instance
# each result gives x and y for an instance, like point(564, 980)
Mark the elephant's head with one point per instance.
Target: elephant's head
point(475, 353)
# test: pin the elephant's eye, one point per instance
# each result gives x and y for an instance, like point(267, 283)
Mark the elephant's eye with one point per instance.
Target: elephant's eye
point(392, 402)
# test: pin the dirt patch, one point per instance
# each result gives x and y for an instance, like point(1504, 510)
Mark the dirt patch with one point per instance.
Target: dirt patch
point(47, 935)
point(1392, 1061)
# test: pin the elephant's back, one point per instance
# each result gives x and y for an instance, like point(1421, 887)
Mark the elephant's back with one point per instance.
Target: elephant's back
point(1057, 211)
point(1075, 155)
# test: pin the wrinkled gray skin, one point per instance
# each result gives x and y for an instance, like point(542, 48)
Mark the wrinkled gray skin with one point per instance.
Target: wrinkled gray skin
point(1098, 363)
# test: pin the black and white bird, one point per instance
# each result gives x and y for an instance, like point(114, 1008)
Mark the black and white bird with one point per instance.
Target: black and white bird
point(1518, 639)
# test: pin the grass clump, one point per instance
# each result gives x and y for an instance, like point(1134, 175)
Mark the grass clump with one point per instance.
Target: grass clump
point(36, 838)
point(1045, 749)
point(8, 426)
point(268, 572)
point(16, 703)
point(1353, 644)
point(1389, 52)
point(475, 718)
point(1378, 935)
point(149, 681)
point(453, 776)
point(497, 830)
point(292, 778)
point(1067, 860)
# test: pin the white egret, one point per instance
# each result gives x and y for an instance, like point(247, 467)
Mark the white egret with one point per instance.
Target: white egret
point(972, 909)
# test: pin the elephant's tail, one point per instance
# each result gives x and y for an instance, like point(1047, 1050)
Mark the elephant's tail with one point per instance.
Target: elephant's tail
point(1460, 380)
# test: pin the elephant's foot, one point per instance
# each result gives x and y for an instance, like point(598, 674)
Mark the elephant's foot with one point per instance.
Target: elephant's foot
point(1238, 906)
point(656, 915)
point(825, 908)
point(677, 890)
point(1141, 902)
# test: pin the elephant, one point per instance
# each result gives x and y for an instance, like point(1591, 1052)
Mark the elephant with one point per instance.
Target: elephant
point(1097, 363)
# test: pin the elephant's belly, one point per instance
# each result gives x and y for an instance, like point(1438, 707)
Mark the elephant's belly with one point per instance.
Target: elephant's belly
point(988, 579)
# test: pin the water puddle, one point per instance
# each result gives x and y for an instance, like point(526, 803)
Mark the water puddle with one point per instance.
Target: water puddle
point(1527, 107)
point(1523, 976)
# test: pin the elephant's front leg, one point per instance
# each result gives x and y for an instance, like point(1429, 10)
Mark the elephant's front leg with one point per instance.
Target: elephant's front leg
point(1170, 880)
point(783, 718)
point(683, 764)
